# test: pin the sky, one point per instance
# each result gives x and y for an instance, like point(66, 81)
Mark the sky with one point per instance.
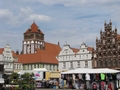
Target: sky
point(63, 21)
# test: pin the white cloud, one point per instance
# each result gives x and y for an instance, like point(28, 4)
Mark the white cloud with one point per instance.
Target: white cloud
point(26, 10)
point(74, 21)
point(5, 15)
point(25, 14)
point(38, 17)
point(76, 2)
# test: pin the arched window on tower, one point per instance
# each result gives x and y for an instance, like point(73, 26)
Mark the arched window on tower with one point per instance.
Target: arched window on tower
point(114, 63)
point(109, 63)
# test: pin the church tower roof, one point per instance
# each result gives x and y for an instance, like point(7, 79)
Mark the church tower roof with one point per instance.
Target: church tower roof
point(34, 28)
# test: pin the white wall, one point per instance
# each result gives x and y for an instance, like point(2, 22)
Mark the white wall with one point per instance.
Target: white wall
point(67, 56)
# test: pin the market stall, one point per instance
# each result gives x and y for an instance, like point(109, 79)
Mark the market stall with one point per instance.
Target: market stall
point(88, 70)
point(102, 77)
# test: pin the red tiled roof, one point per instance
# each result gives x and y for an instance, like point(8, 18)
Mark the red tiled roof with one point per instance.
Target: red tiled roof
point(90, 48)
point(42, 56)
point(34, 28)
point(1, 50)
point(75, 50)
point(37, 58)
point(13, 54)
point(118, 36)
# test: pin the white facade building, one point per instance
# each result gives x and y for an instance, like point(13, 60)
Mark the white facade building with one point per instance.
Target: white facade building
point(8, 58)
point(71, 58)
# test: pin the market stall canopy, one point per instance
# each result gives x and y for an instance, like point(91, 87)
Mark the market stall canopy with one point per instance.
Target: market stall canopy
point(68, 72)
point(40, 69)
point(88, 70)
point(106, 70)
point(33, 71)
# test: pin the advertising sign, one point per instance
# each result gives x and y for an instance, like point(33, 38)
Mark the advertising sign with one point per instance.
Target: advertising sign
point(38, 75)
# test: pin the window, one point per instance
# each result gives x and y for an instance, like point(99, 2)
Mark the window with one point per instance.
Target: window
point(34, 66)
point(86, 56)
point(108, 35)
point(78, 63)
point(114, 63)
point(119, 62)
point(86, 64)
point(105, 63)
point(7, 51)
point(53, 67)
point(114, 53)
point(71, 64)
point(109, 63)
point(108, 40)
point(114, 46)
point(100, 54)
point(98, 63)
point(64, 66)
point(50, 67)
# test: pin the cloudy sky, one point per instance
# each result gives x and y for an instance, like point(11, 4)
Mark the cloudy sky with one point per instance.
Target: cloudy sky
point(71, 21)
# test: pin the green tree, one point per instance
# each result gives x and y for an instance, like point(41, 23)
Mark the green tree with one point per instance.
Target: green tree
point(27, 81)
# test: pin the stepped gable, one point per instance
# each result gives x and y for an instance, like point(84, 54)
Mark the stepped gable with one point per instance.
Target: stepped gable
point(42, 56)
point(34, 28)
point(13, 53)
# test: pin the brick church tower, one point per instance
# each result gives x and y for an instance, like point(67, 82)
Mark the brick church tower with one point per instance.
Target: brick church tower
point(107, 48)
point(33, 39)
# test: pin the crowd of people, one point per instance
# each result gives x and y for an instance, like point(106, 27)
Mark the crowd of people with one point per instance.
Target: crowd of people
point(87, 81)
point(53, 83)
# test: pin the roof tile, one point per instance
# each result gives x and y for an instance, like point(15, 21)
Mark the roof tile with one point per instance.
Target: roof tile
point(42, 56)
point(34, 28)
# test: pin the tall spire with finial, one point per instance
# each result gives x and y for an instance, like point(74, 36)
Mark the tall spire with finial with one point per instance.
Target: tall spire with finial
point(110, 22)
point(115, 29)
point(105, 23)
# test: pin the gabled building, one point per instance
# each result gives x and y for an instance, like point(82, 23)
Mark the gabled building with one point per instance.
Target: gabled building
point(36, 53)
point(72, 58)
point(107, 53)
point(9, 59)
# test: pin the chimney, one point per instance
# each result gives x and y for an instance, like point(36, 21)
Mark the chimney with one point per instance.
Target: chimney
point(58, 44)
point(17, 52)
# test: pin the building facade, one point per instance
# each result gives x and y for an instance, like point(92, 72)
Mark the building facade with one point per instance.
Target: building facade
point(8, 59)
point(36, 53)
point(71, 58)
point(107, 53)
